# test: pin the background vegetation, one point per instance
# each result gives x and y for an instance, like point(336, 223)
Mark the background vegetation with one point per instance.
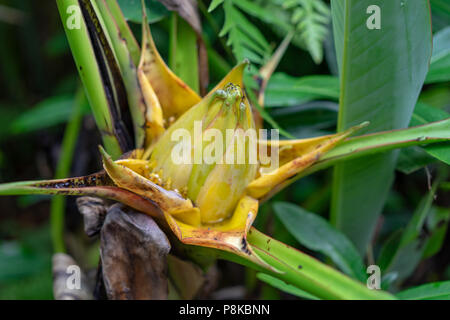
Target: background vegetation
point(46, 131)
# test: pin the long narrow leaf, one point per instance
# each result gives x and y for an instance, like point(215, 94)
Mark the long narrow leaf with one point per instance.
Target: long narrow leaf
point(381, 73)
point(317, 234)
point(429, 291)
point(376, 143)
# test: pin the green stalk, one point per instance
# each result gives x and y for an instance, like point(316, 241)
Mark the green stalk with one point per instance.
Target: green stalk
point(303, 271)
point(58, 203)
point(375, 143)
point(84, 56)
point(128, 70)
point(183, 55)
point(125, 31)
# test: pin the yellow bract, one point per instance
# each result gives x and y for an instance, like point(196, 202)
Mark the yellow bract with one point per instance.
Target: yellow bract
point(174, 96)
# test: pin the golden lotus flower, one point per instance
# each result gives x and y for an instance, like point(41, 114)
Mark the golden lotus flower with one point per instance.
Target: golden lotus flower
point(210, 204)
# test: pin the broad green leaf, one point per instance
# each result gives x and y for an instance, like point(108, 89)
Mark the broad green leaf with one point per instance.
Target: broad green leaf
point(47, 113)
point(442, 7)
point(424, 114)
point(429, 291)
point(440, 60)
point(308, 120)
point(132, 10)
point(315, 233)
point(284, 90)
point(412, 159)
point(183, 54)
point(381, 75)
point(283, 286)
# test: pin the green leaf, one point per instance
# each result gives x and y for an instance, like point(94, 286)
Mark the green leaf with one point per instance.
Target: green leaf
point(25, 265)
point(412, 159)
point(383, 141)
point(263, 13)
point(132, 10)
point(58, 203)
point(372, 144)
point(440, 60)
point(246, 41)
point(315, 233)
point(311, 18)
point(417, 222)
point(183, 54)
point(97, 84)
point(429, 291)
point(283, 286)
point(124, 72)
point(368, 61)
point(388, 250)
point(266, 116)
point(424, 113)
point(437, 221)
point(442, 7)
point(284, 90)
point(47, 113)
point(214, 4)
point(307, 273)
point(298, 269)
point(401, 254)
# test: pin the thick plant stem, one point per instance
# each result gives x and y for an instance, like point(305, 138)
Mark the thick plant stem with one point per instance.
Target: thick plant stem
point(84, 56)
point(128, 70)
point(125, 31)
point(303, 271)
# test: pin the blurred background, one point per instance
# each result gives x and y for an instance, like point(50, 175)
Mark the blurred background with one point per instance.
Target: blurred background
point(39, 82)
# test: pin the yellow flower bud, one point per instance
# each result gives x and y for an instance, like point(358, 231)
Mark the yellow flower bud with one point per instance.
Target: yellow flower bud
point(218, 141)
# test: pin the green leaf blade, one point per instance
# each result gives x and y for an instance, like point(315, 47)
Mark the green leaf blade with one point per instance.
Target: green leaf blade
point(429, 291)
point(381, 73)
point(317, 234)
